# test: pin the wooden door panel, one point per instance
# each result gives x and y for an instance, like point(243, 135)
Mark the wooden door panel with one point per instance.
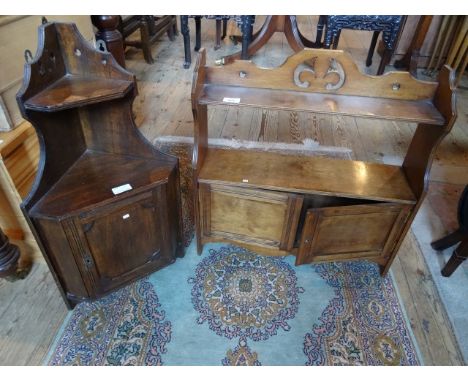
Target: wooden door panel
point(350, 231)
point(119, 246)
point(250, 216)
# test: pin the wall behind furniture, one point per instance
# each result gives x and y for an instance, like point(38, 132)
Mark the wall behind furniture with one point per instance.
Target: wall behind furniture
point(18, 33)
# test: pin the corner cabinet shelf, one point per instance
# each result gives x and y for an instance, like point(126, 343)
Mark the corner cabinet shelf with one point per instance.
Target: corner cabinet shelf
point(73, 91)
point(105, 206)
point(315, 208)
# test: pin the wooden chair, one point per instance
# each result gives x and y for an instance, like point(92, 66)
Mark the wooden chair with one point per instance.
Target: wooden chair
point(151, 28)
point(219, 36)
point(460, 254)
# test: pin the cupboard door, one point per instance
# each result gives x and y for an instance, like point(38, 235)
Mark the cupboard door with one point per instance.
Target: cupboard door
point(125, 241)
point(264, 218)
point(347, 232)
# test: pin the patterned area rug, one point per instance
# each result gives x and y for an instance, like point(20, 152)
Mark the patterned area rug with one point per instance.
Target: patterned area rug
point(234, 307)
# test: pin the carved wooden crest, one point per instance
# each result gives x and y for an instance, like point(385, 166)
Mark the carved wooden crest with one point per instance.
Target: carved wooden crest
point(333, 67)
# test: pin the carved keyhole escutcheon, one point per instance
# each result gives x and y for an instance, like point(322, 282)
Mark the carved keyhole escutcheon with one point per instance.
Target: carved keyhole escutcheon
point(396, 86)
point(101, 46)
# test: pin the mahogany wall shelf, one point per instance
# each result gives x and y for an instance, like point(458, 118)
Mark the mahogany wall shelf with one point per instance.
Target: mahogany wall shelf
point(105, 206)
point(316, 208)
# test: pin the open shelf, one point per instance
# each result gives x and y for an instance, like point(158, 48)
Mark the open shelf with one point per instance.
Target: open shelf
point(74, 91)
point(307, 175)
point(89, 182)
point(367, 107)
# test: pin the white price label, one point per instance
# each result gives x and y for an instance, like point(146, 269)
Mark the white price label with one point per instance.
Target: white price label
point(122, 188)
point(231, 100)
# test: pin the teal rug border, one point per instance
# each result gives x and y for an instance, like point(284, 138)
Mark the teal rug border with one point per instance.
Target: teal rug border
point(58, 336)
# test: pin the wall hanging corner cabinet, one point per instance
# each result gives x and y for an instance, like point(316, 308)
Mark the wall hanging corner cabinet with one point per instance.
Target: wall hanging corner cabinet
point(316, 208)
point(105, 205)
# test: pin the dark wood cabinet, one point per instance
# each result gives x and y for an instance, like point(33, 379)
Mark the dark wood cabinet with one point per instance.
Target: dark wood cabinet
point(105, 207)
point(312, 207)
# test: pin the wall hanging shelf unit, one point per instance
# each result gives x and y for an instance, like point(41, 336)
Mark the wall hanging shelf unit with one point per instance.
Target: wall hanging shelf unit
point(316, 208)
point(105, 205)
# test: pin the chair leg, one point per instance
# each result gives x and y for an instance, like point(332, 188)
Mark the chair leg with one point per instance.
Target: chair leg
point(459, 255)
point(320, 25)
point(336, 39)
point(223, 36)
point(174, 26)
point(218, 35)
point(370, 54)
point(145, 41)
point(197, 33)
point(170, 31)
point(186, 34)
point(447, 241)
point(386, 57)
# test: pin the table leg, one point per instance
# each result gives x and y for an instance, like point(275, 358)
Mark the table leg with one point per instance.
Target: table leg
point(460, 254)
point(197, 33)
point(370, 53)
point(448, 240)
point(9, 256)
point(246, 36)
point(184, 28)
point(108, 32)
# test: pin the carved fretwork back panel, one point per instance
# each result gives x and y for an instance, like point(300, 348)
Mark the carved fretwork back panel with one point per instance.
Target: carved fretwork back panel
point(321, 71)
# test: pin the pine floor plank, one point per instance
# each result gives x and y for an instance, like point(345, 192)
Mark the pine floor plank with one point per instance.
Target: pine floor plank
point(31, 312)
point(424, 308)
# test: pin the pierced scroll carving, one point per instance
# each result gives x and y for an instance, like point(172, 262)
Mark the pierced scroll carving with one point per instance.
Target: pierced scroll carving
point(334, 67)
point(304, 68)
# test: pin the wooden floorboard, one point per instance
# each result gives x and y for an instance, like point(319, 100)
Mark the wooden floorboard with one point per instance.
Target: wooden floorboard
point(32, 310)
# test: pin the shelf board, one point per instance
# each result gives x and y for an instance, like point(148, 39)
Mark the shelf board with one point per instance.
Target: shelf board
point(305, 174)
point(74, 91)
point(89, 182)
point(357, 106)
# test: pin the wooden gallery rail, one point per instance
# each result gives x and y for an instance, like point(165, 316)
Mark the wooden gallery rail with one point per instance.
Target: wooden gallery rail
point(318, 209)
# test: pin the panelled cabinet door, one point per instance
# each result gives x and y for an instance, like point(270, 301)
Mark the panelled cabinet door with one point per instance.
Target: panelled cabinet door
point(347, 232)
point(125, 241)
point(264, 218)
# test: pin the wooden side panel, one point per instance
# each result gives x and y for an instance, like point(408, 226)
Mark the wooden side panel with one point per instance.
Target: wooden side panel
point(60, 257)
point(361, 231)
point(248, 216)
